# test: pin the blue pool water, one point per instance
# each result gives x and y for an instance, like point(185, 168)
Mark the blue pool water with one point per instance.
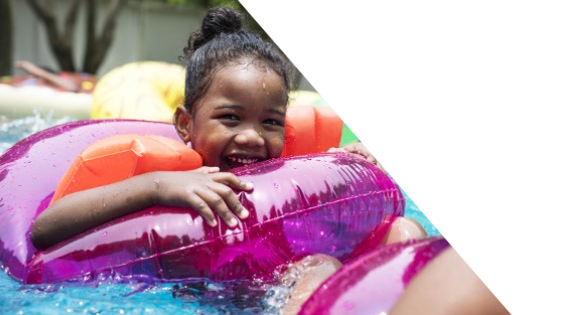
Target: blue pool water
point(102, 298)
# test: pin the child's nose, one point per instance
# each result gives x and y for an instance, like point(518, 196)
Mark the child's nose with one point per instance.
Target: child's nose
point(250, 137)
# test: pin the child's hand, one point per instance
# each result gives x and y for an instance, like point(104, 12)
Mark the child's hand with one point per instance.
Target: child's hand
point(359, 149)
point(206, 190)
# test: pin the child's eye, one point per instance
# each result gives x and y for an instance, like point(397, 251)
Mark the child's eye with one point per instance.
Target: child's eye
point(228, 117)
point(273, 122)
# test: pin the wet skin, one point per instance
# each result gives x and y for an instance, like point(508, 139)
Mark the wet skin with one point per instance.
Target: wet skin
point(241, 118)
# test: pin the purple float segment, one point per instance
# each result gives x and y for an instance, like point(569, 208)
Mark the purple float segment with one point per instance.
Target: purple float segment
point(30, 171)
point(325, 203)
point(372, 283)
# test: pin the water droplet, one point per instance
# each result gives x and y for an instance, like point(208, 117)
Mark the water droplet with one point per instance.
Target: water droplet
point(349, 305)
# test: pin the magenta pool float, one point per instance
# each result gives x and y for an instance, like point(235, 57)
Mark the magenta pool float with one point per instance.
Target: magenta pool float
point(322, 203)
point(373, 282)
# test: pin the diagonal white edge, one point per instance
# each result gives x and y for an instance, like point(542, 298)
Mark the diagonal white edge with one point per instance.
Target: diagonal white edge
point(469, 107)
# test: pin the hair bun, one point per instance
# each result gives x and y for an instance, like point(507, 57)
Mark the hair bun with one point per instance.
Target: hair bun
point(221, 20)
point(217, 21)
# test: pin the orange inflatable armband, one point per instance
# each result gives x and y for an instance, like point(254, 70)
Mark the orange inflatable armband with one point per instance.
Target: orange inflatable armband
point(119, 157)
point(311, 129)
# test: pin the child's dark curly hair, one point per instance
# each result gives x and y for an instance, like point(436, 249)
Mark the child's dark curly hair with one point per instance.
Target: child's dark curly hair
point(222, 39)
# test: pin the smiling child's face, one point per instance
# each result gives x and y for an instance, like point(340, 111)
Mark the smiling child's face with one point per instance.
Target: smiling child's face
point(240, 119)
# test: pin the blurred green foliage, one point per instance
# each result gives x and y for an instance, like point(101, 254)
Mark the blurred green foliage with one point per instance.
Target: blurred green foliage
point(235, 4)
point(206, 4)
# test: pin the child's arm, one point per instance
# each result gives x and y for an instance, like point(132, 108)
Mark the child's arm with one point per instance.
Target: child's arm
point(205, 190)
point(360, 149)
point(447, 285)
point(36, 71)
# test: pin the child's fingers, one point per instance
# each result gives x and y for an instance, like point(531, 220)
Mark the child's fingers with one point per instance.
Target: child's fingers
point(231, 200)
point(217, 203)
point(371, 159)
point(353, 150)
point(360, 150)
point(207, 169)
point(199, 205)
point(331, 150)
point(232, 181)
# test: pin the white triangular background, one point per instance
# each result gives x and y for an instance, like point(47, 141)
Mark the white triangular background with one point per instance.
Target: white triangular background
point(468, 106)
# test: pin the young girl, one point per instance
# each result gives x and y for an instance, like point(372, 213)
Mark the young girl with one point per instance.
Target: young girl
point(236, 97)
point(237, 88)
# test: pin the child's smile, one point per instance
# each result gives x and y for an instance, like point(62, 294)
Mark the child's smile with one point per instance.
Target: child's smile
point(240, 119)
point(237, 160)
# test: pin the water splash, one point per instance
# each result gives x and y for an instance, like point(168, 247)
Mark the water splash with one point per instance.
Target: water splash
point(14, 130)
point(103, 297)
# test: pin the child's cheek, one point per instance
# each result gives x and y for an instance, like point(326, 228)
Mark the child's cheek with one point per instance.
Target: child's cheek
point(276, 146)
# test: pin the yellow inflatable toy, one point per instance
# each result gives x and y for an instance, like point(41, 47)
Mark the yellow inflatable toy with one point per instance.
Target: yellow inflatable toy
point(147, 90)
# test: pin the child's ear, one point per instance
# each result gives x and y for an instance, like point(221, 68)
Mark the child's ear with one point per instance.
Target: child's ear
point(182, 121)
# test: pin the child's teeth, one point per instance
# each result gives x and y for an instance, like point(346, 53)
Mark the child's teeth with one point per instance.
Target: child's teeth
point(243, 161)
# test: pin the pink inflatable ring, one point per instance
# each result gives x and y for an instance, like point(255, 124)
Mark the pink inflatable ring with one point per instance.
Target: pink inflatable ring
point(325, 203)
point(373, 282)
